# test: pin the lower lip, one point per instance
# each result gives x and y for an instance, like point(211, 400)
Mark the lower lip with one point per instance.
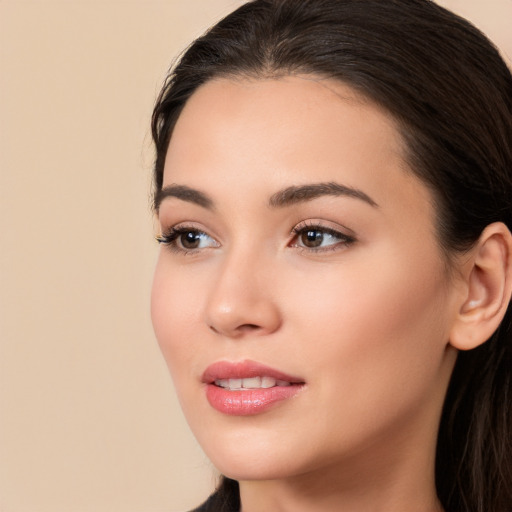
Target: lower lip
point(248, 402)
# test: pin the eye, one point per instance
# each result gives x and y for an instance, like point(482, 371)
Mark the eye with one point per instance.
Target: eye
point(186, 239)
point(317, 237)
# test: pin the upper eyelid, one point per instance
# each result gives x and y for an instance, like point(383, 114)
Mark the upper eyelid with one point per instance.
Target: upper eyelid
point(324, 225)
point(327, 226)
point(329, 231)
point(178, 226)
point(178, 229)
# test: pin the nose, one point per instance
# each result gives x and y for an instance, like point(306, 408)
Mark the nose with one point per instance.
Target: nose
point(242, 301)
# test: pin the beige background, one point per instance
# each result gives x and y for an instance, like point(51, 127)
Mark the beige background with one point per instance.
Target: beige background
point(88, 418)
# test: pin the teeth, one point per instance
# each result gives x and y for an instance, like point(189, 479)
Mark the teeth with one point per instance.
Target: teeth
point(235, 383)
point(268, 382)
point(250, 383)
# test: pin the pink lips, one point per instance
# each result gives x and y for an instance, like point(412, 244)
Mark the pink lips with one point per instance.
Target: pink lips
point(245, 402)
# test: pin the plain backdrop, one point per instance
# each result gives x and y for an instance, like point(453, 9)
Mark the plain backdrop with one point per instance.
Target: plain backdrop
point(88, 417)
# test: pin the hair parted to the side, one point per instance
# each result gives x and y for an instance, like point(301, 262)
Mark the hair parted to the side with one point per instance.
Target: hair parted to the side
point(451, 94)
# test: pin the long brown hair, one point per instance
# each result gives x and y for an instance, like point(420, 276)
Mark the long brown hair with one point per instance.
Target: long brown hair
point(451, 94)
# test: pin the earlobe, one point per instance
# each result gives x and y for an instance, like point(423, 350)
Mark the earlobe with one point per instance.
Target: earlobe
point(489, 288)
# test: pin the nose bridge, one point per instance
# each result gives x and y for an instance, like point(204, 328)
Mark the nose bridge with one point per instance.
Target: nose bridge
point(241, 299)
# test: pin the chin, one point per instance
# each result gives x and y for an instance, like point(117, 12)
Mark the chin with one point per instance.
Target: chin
point(245, 470)
point(267, 465)
point(250, 457)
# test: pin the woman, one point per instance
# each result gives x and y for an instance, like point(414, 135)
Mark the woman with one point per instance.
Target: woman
point(333, 183)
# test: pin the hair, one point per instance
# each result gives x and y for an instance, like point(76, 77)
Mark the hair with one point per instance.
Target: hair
point(451, 94)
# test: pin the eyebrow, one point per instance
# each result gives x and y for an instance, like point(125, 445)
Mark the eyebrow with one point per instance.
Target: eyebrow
point(286, 197)
point(302, 193)
point(184, 193)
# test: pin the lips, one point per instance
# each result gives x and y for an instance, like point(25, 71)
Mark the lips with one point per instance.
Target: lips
point(247, 387)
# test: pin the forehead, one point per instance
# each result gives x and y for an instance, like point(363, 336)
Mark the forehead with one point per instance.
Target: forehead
point(267, 121)
point(242, 141)
point(263, 101)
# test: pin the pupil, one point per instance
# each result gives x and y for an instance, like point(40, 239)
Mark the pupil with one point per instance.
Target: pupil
point(312, 238)
point(190, 240)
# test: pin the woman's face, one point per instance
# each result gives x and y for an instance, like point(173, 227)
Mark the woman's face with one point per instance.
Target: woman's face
point(300, 299)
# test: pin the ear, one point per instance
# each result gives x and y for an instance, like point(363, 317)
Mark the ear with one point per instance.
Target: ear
point(488, 276)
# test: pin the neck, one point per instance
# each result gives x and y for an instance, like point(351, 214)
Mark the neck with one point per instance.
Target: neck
point(386, 489)
point(395, 473)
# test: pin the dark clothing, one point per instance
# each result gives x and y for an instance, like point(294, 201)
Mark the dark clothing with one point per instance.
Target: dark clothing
point(225, 499)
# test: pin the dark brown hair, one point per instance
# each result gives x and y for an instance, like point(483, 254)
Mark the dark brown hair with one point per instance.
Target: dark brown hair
point(451, 94)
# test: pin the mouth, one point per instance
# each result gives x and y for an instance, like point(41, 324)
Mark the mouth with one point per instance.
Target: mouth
point(250, 383)
point(247, 388)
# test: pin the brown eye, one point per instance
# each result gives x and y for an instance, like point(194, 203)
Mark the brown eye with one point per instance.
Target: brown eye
point(190, 239)
point(320, 238)
point(312, 238)
point(187, 239)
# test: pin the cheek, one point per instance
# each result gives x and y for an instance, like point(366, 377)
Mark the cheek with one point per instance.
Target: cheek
point(374, 321)
point(174, 311)
point(373, 350)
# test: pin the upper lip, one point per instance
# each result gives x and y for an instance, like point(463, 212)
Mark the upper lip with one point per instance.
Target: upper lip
point(244, 370)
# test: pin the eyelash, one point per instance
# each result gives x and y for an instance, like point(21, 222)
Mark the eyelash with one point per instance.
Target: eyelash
point(172, 236)
point(343, 239)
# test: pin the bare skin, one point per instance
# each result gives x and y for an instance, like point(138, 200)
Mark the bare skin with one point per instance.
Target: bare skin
point(345, 287)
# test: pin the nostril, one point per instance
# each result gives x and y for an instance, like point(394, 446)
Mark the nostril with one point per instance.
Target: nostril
point(248, 327)
point(240, 329)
